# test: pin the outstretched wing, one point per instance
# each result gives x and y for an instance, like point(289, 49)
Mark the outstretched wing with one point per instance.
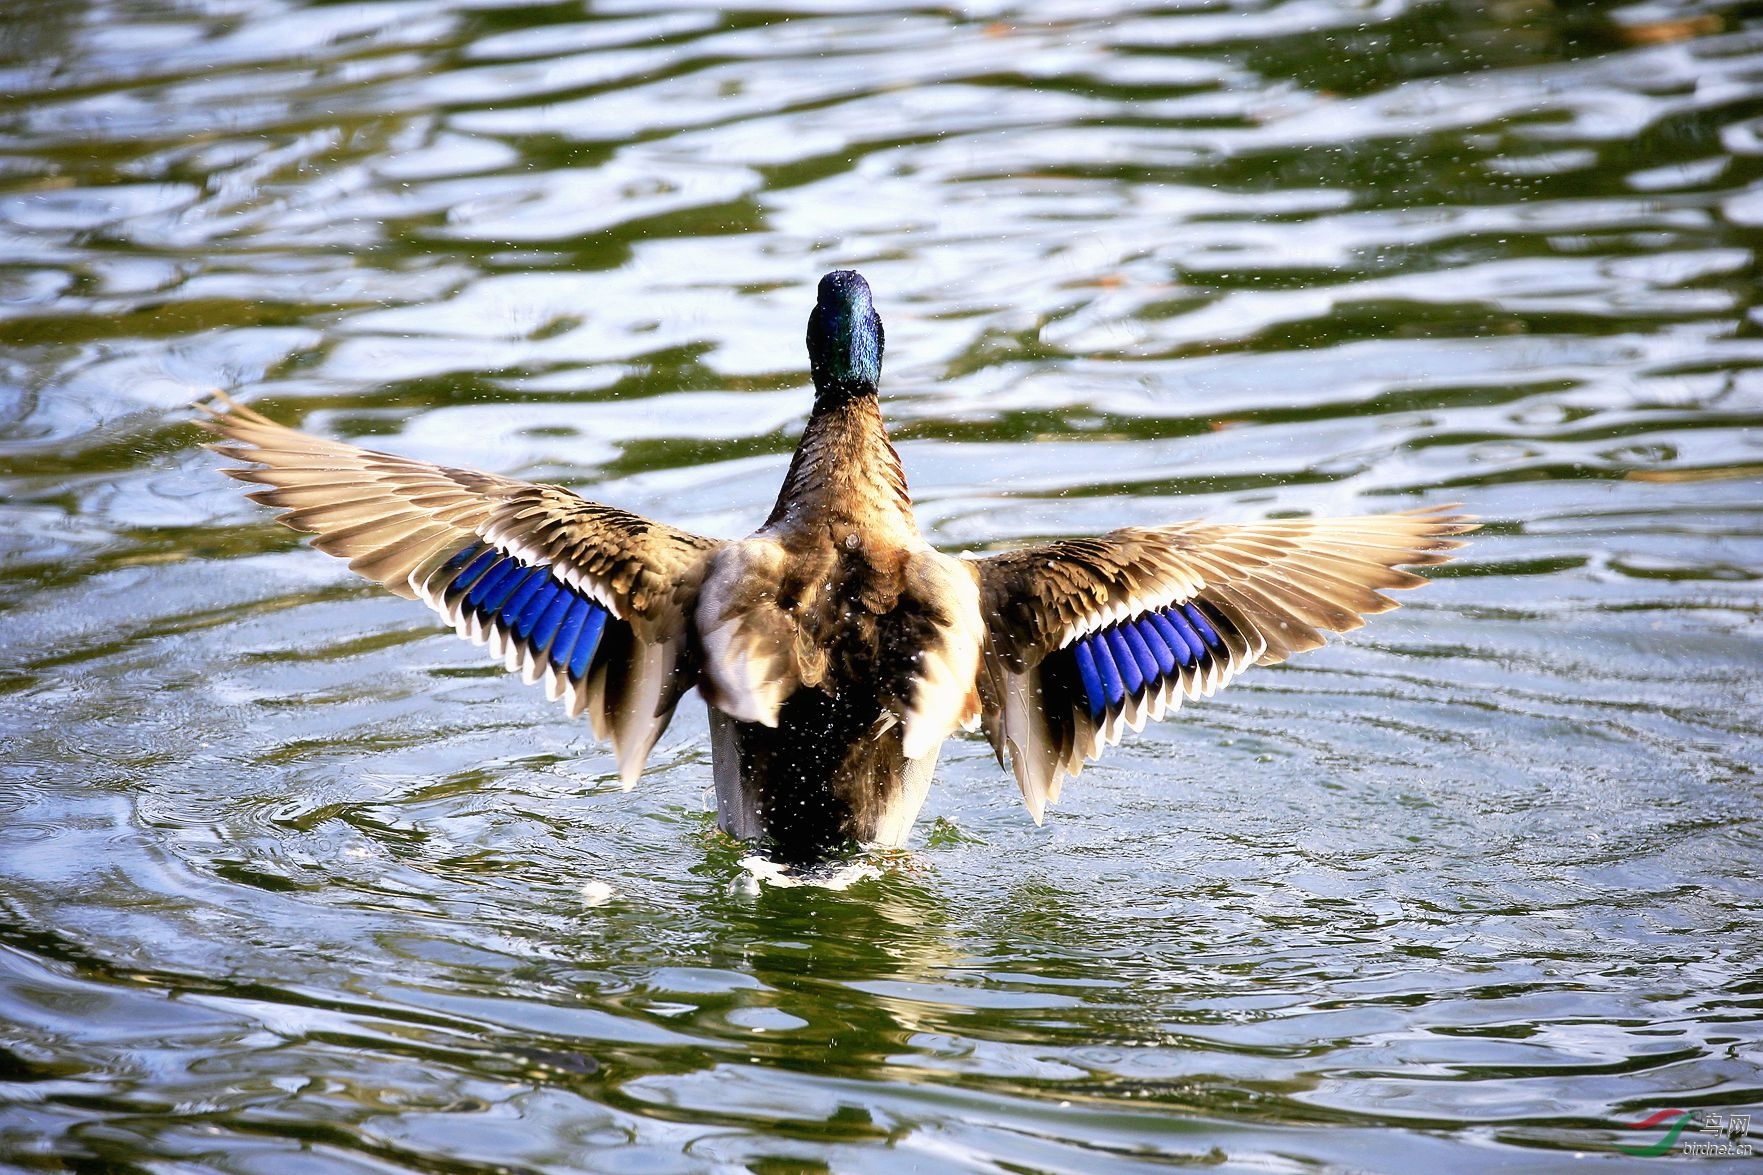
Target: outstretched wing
point(591, 599)
point(1090, 636)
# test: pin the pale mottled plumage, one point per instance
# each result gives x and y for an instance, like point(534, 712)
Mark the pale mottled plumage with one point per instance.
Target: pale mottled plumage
point(836, 649)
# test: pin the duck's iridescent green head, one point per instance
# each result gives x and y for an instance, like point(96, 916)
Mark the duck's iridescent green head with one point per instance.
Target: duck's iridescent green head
point(844, 337)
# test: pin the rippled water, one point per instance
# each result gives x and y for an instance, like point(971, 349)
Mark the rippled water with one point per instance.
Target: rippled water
point(291, 881)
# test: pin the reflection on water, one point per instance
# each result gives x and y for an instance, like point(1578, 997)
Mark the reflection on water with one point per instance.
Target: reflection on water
point(288, 871)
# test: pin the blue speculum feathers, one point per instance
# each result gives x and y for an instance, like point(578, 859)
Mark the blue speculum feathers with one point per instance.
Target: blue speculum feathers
point(556, 621)
point(845, 338)
point(1138, 656)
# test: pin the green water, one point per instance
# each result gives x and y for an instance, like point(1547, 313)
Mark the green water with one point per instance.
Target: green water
point(291, 881)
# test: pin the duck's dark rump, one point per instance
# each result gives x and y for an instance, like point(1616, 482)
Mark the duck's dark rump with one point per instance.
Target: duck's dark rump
point(822, 777)
point(833, 768)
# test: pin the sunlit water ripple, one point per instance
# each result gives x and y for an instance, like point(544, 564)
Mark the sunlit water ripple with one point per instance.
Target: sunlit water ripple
point(292, 881)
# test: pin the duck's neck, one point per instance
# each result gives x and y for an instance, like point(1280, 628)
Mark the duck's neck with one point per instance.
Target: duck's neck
point(845, 474)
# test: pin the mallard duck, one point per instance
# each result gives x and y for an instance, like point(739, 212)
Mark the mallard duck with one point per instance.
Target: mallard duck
point(835, 648)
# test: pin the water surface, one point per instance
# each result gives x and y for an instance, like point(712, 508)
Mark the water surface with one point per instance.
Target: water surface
point(293, 881)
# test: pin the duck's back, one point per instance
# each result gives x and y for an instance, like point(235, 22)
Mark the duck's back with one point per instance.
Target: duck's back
point(835, 666)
